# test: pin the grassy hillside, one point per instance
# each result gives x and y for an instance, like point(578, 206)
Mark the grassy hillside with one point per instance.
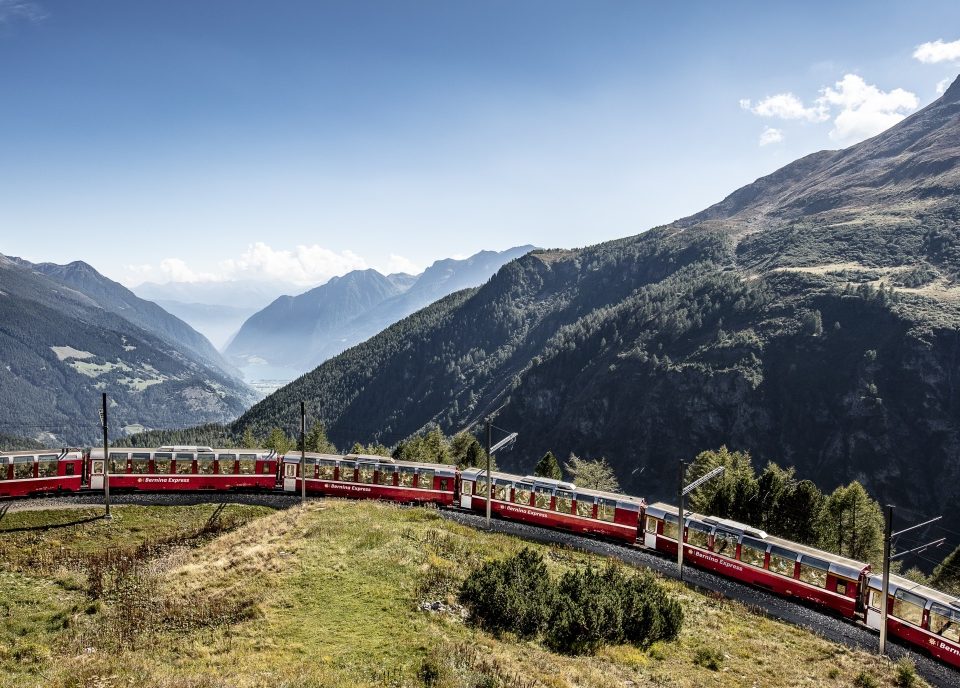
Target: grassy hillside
point(329, 596)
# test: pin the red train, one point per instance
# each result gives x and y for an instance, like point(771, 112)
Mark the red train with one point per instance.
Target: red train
point(917, 615)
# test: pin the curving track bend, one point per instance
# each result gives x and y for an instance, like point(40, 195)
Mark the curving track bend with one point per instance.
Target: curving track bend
point(832, 628)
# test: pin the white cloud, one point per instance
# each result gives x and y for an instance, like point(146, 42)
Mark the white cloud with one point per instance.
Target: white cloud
point(303, 265)
point(937, 51)
point(20, 9)
point(785, 106)
point(942, 86)
point(858, 110)
point(865, 110)
point(401, 264)
point(770, 135)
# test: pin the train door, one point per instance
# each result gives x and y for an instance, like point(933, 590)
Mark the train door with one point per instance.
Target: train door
point(466, 493)
point(96, 474)
point(290, 476)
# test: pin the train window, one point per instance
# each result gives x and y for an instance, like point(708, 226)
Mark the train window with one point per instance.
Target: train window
point(248, 464)
point(908, 607)
point(541, 497)
point(4, 462)
point(184, 463)
point(522, 493)
point(782, 561)
point(725, 543)
point(291, 470)
point(842, 586)
point(945, 622)
point(814, 571)
point(405, 476)
point(445, 485)
point(346, 472)
point(118, 462)
point(425, 481)
point(365, 472)
point(69, 469)
point(226, 463)
point(606, 509)
point(670, 528)
point(501, 491)
point(753, 552)
point(140, 462)
point(481, 487)
point(48, 466)
point(585, 506)
point(564, 502)
point(161, 462)
point(467, 488)
point(325, 469)
point(385, 475)
point(698, 534)
point(873, 600)
point(205, 464)
point(651, 526)
point(23, 467)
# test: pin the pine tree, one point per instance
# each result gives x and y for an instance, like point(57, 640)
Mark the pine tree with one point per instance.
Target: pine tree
point(278, 441)
point(248, 441)
point(946, 576)
point(466, 451)
point(851, 524)
point(728, 495)
point(592, 474)
point(548, 467)
point(317, 440)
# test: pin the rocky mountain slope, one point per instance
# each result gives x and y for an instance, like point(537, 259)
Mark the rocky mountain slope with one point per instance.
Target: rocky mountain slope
point(67, 334)
point(812, 318)
point(300, 332)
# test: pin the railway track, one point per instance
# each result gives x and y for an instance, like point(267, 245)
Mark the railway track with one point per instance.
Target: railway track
point(832, 628)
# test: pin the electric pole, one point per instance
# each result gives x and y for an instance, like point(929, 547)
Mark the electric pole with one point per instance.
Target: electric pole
point(106, 459)
point(489, 484)
point(303, 454)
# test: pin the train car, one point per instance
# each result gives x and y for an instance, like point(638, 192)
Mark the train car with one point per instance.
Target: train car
point(24, 473)
point(918, 615)
point(553, 503)
point(185, 468)
point(362, 476)
point(736, 550)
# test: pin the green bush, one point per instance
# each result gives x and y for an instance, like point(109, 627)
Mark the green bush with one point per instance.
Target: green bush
point(708, 658)
point(512, 594)
point(578, 614)
point(906, 676)
point(865, 680)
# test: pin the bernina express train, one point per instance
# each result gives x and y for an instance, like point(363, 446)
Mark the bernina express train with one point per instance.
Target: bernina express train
point(917, 615)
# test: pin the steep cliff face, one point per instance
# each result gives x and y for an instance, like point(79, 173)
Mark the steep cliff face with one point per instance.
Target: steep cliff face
point(812, 318)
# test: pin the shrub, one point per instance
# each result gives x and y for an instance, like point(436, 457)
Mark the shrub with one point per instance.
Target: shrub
point(510, 595)
point(586, 613)
point(906, 676)
point(708, 658)
point(865, 680)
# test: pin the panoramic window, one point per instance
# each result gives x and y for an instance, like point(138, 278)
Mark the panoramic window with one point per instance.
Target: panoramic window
point(326, 469)
point(184, 463)
point(753, 552)
point(425, 481)
point(564, 502)
point(945, 622)
point(814, 572)
point(405, 476)
point(248, 464)
point(501, 491)
point(366, 472)
point(782, 561)
point(346, 471)
point(606, 509)
point(521, 493)
point(698, 534)
point(48, 467)
point(205, 464)
point(670, 528)
point(725, 543)
point(118, 462)
point(226, 463)
point(140, 462)
point(23, 467)
point(908, 607)
point(161, 462)
point(481, 486)
point(541, 497)
point(585, 506)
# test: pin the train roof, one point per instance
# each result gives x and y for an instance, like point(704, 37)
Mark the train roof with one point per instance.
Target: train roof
point(851, 568)
point(97, 452)
point(898, 583)
point(294, 457)
point(557, 484)
point(61, 454)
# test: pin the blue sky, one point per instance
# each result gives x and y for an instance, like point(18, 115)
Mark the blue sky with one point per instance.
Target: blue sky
point(220, 140)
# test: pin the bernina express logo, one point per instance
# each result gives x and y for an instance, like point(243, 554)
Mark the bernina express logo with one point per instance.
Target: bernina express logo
point(163, 480)
point(347, 488)
point(939, 644)
point(716, 560)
